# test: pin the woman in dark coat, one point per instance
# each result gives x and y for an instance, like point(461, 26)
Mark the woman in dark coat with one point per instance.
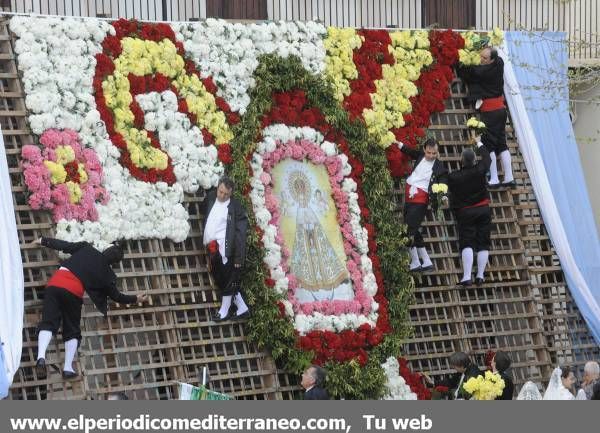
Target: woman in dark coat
point(500, 364)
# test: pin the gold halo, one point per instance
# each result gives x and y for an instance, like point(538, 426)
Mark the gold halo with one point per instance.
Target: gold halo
point(299, 187)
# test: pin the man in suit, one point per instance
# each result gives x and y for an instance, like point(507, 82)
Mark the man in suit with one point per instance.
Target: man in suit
point(87, 270)
point(428, 170)
point(313, 379)
point(486, 85)
point(469, 198)
point(225, 236)
point(465, 370)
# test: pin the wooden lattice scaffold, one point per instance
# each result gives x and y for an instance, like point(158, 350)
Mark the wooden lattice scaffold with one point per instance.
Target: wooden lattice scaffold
point(143, 351)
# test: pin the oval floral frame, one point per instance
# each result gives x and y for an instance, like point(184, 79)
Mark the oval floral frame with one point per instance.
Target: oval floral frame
point(306, 144)
point(287, 97)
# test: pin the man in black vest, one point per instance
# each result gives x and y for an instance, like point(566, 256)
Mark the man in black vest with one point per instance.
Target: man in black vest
point(87, 270)
point(313, 380)
point(486, 85)
point(428, 170)
point(225, 236)
point(469, 198)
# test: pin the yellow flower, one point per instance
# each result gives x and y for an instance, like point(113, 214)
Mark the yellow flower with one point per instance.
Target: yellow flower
point(496, 37)
point(141, 57)
point(472, 122)
point(486, 387)
point(83, 177)
point(421, 38)
point(58, 174)
point(64, 154)
point(74, 192)
point(339, 63)
point(439, 188)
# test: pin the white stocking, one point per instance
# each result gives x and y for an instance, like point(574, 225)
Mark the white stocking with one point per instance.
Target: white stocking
point(225, 304)
point(70, 351)
point(494, 170)
point(44, 338)
point(507, 166)
point(482, 259)
point(424, 257)
point(414, 258)
point(241, 305)
point(467, 261)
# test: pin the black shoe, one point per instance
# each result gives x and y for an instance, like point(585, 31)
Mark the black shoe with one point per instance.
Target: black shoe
point(244, 315)
point(216, 317)
point(512, 184)
point(427, 268)
point(417, 269)
point(465, 283)
point(69, 375)
point(479, 282)
point(40, 369)
point(494, 186)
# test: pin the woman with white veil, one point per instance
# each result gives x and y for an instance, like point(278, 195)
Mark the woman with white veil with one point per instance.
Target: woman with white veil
point(560, 382)
point(529, 391)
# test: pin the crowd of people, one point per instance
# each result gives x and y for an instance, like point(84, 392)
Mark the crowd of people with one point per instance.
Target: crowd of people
point(563, 384)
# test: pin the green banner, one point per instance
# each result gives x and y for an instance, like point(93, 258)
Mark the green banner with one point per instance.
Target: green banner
point(191, 392)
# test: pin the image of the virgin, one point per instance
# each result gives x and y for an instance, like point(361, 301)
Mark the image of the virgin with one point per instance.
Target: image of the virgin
point(314, 261)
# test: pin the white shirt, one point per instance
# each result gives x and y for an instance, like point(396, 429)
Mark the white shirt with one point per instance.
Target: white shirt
point(216, 226)
point(420, 177)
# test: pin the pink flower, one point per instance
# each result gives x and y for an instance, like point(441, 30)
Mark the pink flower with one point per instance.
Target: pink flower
point(265, 178)
point(32, 154)
point(45, 195)
point(297, 152)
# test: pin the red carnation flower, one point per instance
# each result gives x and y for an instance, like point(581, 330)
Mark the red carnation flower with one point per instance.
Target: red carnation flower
point(224, 153)
point(72, 169)
point(111, 45)
point(124, 27)
point(213, 247)
point(150, 32)
point(104, 66)
point(166, 32)
point(138, 114)
point(137, 84)
point(222, 104)
point(209, 84)
point(159, 83)
point(207, 137)
point(182, 106)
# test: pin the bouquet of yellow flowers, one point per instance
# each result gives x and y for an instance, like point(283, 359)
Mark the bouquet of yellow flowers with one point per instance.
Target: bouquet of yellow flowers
point(486, 387)
point(439, 190)
point(475, 125)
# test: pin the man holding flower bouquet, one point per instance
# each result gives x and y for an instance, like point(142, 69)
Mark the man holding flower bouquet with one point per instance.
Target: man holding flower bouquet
point(225, 237)
point(486, 83)
point(429, 178)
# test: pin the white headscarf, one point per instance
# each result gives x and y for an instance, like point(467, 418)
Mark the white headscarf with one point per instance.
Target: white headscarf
point(529, 391)
point(556, 390)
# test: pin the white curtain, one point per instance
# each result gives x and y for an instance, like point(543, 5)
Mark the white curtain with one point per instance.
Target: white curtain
point(530, 150)
point(11, 275)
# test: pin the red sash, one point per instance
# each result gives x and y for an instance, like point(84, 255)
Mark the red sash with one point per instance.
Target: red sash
point(421, 197)
point(484, 202)
point(67, 280)
point(493, 104)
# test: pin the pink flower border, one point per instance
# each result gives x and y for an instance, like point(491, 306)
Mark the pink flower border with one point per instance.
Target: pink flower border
point(55, 198)
point(300, 150)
